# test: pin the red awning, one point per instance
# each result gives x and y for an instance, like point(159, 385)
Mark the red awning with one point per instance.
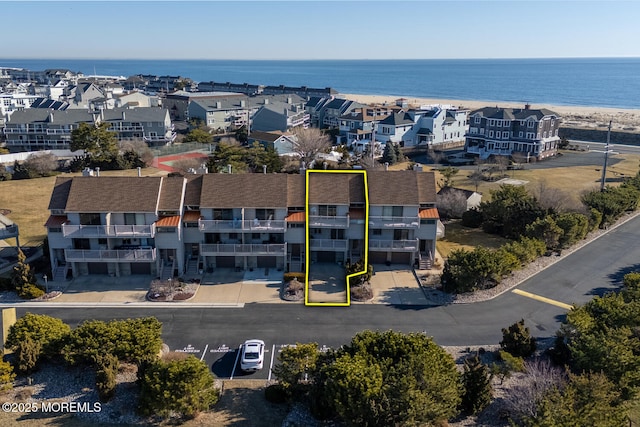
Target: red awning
point(56, 221)
point(168, 221)
point(430, 213)
point(296, 217)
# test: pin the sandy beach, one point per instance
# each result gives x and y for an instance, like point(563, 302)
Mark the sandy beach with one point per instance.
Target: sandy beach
point(572, 116)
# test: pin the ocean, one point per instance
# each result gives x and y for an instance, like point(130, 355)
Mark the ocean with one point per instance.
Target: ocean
point(600, 82)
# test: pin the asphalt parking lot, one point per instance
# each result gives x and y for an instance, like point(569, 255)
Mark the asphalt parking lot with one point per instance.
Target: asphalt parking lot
point(224, 358)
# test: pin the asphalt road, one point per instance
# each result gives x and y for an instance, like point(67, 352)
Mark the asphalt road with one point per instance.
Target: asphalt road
point(214, 334)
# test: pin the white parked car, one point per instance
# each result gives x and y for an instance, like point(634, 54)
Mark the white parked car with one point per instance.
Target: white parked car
point(252, 357)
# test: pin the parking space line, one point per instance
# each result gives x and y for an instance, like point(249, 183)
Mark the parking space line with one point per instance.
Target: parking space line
point(273, 352)
point(236, 362)
point(204, 352)
point(542, 299)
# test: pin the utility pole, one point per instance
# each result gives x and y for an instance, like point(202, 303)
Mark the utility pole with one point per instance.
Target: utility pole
point(607, 150)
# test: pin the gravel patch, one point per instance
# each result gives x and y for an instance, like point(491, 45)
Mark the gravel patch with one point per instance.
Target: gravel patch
point(60, 383)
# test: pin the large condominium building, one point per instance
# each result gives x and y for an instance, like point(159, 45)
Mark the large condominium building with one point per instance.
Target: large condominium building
point(45, 129)
point(524, 132)
point(162, 226)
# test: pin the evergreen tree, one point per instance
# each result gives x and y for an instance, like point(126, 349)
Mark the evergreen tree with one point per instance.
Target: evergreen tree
point(389, 154)
point(476, 381)
point(106, 376)
point(398, 152)
point(517, 340)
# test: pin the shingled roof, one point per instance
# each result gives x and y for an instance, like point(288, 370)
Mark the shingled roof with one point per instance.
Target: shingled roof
point(113, 194)
point(60, 193)
point(401, 188)
point(171, 193)
point(513, 113)
point(244, 190)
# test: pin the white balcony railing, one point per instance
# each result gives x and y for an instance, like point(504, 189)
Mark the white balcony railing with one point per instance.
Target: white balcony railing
point(278, 249)
point(106, 231)
point(394, 222)
point(328, 221)
point(319, 244)
point(270, 225)
point(110, 255)
point(393, 245)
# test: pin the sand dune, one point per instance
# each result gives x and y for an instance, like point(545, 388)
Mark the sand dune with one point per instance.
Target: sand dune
point(572, 116)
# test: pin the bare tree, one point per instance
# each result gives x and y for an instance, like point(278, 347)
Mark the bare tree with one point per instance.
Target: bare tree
point(451, 204)
point(139, 147)
point(42, 164)
point(308, 143)
point(183, 165)
point(501, 163)
point(540, 377)
point(551, 198)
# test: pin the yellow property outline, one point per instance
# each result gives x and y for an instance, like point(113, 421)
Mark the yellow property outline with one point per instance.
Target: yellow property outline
point(306, 239)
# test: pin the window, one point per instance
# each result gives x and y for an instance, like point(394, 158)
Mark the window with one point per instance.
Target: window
point(490, 134)
point(55, 229)
point(530, 123)
point(166, 230)
point(505, 135)
point(233, 236)
point(544, 135)
point(520, 134)
point(476, 119)
point(255, 236)
point(327, 210)
point(222, 214)
point(391, 211)
point(295, 225)
point(337, 234)
point(90, 219)
point(263, 214)
point(507, 123)
point(376, 232)
point(191, 224)
point(492, 122)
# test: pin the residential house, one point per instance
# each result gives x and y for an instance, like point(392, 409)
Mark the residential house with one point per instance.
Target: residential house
point(282, 142)
point(178, 102)
point(360, 123)
point(453, 202)
point(525, 133)
point(230, 113)
point(394, 128)
point(280, 116)
point(437, 125)
point(165, 226)
point(80, 96)
point(10, 102)
point(314, 106)
point(330, 113)
point(9, 230)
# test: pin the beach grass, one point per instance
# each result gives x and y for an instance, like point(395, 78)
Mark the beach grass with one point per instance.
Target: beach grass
point(28, 201)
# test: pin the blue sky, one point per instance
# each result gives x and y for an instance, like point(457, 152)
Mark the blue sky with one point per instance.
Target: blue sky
point(320, 29)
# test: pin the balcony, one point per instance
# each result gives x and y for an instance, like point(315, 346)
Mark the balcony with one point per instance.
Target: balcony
point(267, 225)
point(328, 244)
point(230, 249)
point(328, 221)
point(110, 255)
point(58, 132)
point(165, 138)
point(108, 231)
point(393, 245)
point(394, 222)
point(9, 232)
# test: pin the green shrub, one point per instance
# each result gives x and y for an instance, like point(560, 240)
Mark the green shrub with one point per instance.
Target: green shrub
point(183, 387)
point(525, 249)
point(130, 340)
point(30, 292)
point(49, 331)
point(27, 354)
point(631, 280)
point(106, 373)
point(472, 218)
point(5, 284)
point(293, 275)
point(476, 382)
point(517, 340)
point(276, 393)
point(6, 375)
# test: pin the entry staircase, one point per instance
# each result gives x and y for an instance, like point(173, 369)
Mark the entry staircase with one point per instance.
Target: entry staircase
point(60, 274)
point(192, 266)
point(424, 261)
point(166, 271)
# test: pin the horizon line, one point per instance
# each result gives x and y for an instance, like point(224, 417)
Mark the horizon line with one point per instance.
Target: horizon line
point(310, 59)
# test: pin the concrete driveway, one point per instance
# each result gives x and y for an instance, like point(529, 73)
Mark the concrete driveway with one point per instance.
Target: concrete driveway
point(396, 285)
point(327, 283)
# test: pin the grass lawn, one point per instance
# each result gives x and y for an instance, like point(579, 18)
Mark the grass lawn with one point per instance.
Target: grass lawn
point(28, 200)
point(458, 237)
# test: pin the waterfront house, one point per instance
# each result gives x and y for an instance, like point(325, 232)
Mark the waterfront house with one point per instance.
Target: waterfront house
point(282, 142)
point(525, 133)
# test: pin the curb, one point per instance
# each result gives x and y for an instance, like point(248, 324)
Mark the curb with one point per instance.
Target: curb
point(565, 253)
